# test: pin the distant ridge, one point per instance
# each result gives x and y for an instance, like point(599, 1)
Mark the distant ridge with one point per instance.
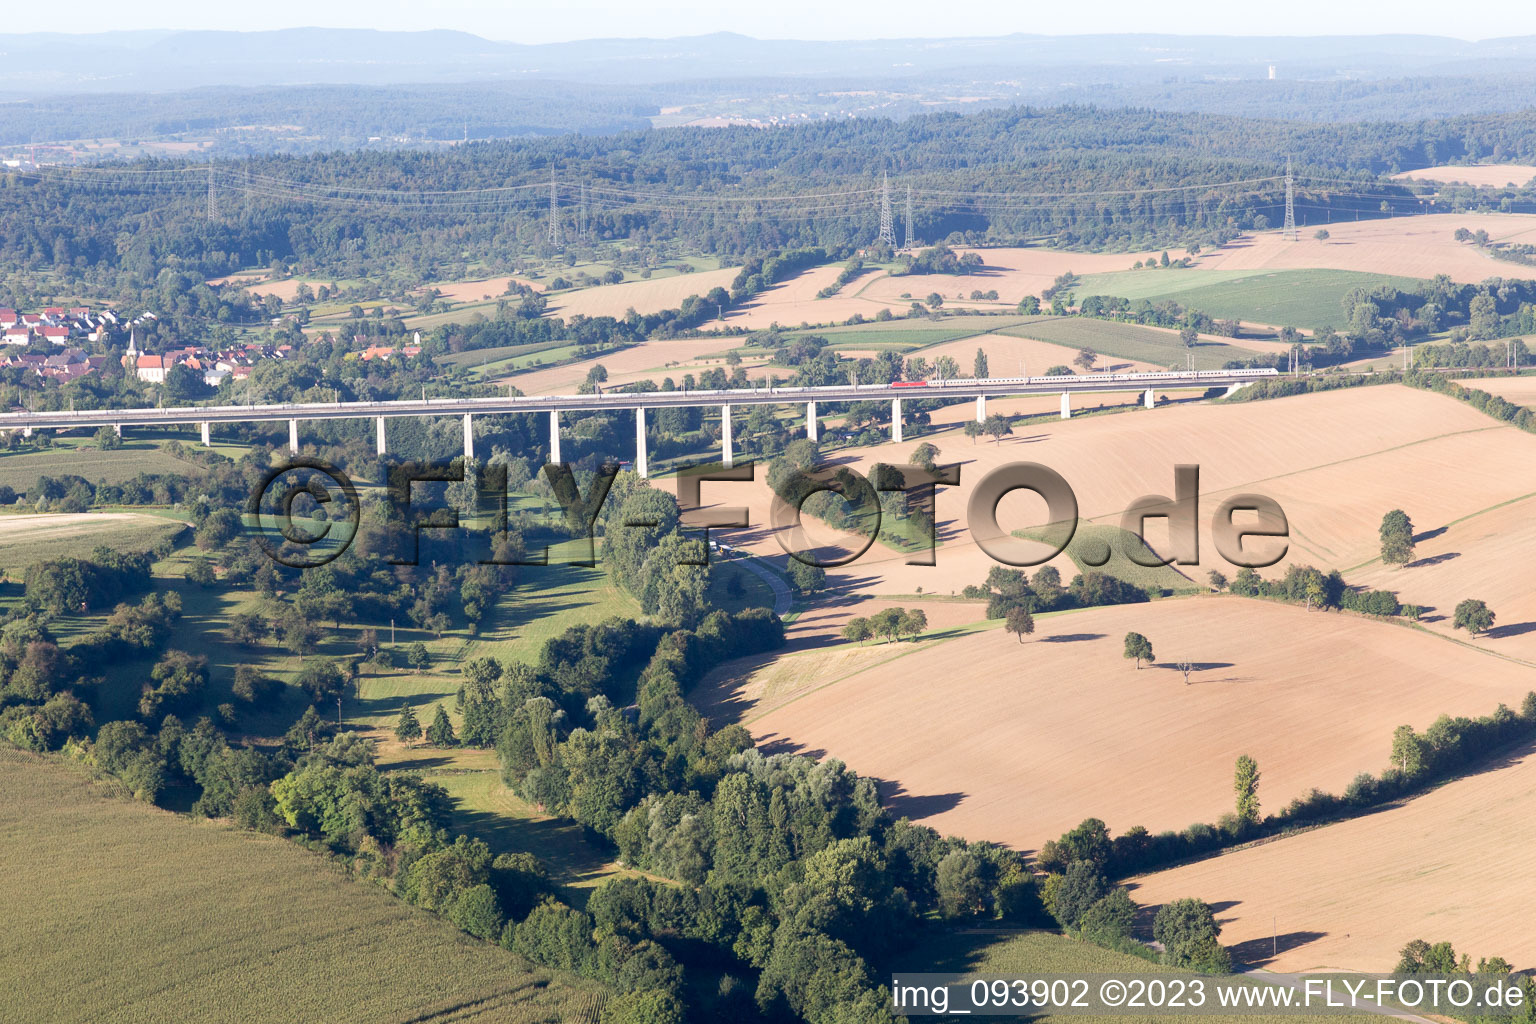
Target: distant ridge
point(158, 60)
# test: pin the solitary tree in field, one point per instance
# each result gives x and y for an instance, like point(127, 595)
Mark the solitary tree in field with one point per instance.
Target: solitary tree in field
point(997, 427)
point(1085, 358)
point(856, 630)
point(1245, 782)
point(407, 728)
point(1218, 580)
point(418, 656)
point(440, 732)
point(1189, 336)
point(1474, 616)
point(1185, 668)
point(924, 454)
point(973, 430)
point(1396, 538)
point(1139, 648)
point(1019, 622)
point(979, 367)
point(1321, 234)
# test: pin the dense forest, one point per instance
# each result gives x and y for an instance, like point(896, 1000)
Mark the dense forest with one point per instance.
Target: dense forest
point(1075, 176)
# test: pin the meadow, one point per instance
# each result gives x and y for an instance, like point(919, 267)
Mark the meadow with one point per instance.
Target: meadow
point(79, 456)
point(1129, 341)
point(26, 539)
point(218, 918)
point(1305, 299)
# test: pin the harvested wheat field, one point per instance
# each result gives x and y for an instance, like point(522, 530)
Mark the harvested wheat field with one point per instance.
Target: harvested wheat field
point(650, 360)
point(1441, 867)
point(1488, 556)
point(1013, 273)
point(1408, 246)
point(992, 739)
point(1336, 462)
point(1008, 355)
point(1481, 176)
point(793, 302)
point(485, 288)
point(1520, 390)
point(651, 296)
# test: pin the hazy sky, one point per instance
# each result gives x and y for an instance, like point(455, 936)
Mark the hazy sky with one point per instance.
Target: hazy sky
point(535, 21)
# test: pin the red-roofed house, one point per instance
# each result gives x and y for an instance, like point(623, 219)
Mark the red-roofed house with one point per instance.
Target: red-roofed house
point(57, 335)
point(18, 336)
point(151, 369)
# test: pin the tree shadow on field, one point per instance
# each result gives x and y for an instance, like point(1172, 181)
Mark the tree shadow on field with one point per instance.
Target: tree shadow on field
point(1071, 638)
point(1258, 952)
point(902, 804)
point(1513, 629)
point(414, 763)
point(1433, 560)
point(1429, 534)
point(1196, 667)
point(774, 743)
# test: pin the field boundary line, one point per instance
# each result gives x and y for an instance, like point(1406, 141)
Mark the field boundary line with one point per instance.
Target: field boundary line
point(1455, 522)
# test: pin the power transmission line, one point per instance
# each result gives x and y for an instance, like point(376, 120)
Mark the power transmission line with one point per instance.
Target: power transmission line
point(1290, 234)
point(887, 225)
point(554, 213)
point(907, 238)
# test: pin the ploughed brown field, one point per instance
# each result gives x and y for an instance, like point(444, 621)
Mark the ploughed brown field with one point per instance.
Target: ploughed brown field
point(1335, 462)
point(1452, 864)
point(988, 738)
point(1408, 246)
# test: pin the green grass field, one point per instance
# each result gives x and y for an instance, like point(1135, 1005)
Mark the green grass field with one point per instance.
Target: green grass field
point(1091, 540)
point(1306, 299)
point(80, 457)
point(489, 356)
point(912, 335)
point(1127, 341)
point(26, 538)
point(119, 911)
point(1032, 954)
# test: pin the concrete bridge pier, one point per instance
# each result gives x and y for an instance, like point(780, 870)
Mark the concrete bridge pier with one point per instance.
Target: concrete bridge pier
point(207, 430)
point(1147, 399)
point(1233, 389)
point(642, 467)
point(812, 428)
point(554, 435)
point(118, 427)
point(725, 436)
point(293, 436)
point(378, 435)
point(469, 437)
point(981, 408)
point(1066, 405)
point(896, 420)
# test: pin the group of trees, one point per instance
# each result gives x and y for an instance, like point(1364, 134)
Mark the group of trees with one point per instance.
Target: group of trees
point(890, 623)
point(439, 733)
point(1006, 589)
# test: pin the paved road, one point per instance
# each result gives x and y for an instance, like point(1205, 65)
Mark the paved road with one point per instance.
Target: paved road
point(783, 597)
